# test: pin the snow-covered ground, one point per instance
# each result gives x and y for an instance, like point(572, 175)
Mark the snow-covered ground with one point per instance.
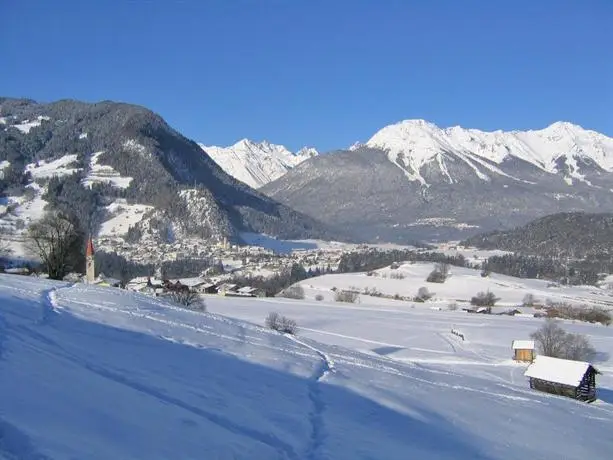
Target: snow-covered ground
point(92, 372)
point(103, 173)
point(461, 285)
point(58, 167)
point(124, 216)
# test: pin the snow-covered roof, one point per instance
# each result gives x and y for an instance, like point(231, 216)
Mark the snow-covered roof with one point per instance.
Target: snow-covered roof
point(247, 289)
point(191, 282)
point(523, 345)
point(563, 371)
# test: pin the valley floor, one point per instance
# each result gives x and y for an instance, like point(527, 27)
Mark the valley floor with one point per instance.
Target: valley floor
point(93, 372)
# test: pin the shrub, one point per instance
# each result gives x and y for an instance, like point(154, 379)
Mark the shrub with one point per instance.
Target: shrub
point(423, 294)
point(397, 276)
point(439, 274)
point(452, 306)
point(282, 324)
point(346, 296)
point(319, 297)
point(293, 292)
point(374, 292)
point(554, 341)
point(484, 299)
point(581, 313)
point(188, 299)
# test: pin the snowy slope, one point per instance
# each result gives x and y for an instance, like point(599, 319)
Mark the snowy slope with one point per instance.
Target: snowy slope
point(103, 373)
point(104, 174)
point(257, 164)
point(411, 144)
point(461, 285)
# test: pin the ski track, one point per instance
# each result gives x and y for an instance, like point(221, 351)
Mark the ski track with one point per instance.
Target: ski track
point(316, 417)
point(284, 449)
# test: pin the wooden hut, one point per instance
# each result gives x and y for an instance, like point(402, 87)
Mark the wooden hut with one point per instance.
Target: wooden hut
point(574, 379)
point(523, 350)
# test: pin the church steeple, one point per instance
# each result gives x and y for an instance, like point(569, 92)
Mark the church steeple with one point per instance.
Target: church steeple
point(90, 274)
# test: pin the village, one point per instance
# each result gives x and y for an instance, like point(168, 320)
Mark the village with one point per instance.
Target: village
point(227, 261)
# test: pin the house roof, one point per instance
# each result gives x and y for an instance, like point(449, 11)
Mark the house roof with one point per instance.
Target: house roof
point(247, 289)
point(556, 370)
point(523, 345)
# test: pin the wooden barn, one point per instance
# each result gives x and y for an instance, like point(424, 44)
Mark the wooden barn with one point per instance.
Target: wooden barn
point(523, 350)
point(574, 379)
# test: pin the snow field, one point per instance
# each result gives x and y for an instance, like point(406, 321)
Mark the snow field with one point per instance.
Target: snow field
point(104, 373)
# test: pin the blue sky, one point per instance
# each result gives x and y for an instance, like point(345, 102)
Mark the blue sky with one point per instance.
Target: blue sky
point(319, 72)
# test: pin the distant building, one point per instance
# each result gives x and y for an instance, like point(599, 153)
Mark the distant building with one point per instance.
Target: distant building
point(523, 350)
point(574, 379)
point(90, 272)
point(227, 289)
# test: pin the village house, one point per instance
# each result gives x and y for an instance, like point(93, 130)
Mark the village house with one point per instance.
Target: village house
point(249, 291)
point(523, 350)
point(574, 379)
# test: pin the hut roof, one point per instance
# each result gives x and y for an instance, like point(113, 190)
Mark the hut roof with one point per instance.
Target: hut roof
point(523, 345)
point(556, 370)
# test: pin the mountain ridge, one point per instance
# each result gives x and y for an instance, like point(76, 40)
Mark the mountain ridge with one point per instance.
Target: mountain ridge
point(103, 152)
point(414, 180)
point(257, 163)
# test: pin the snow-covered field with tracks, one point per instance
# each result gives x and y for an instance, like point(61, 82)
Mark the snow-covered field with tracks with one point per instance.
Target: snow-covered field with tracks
point(94, 372)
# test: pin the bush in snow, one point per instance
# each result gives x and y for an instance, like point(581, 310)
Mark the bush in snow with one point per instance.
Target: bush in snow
point(282, 324)
point(319, 297)
point(581, 313)
point(452, 306)
point(439, 274)
point(397, 276)
point(484, 299)
point(187, 299)
point(554, 341)
point(346, 296)
point(423, 294)
point(293, 292)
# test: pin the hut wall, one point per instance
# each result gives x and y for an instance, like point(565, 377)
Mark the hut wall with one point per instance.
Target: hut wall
point(524, 355)
point(587, 388)
point(553, 388)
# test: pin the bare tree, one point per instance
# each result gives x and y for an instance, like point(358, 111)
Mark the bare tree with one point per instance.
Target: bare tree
point(439, 274)
point(187, 298)
point(529, 300)
point(554, 341)
point(58, 242)
point(423, 294)
point(484, 299)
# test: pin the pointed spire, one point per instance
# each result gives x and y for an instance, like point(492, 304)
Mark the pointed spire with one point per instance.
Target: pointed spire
point(89, 251)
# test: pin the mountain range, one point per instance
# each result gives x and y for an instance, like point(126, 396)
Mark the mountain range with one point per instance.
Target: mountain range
point(92, 159)
point(415, 180)
point(257, 163)
point(411, 180)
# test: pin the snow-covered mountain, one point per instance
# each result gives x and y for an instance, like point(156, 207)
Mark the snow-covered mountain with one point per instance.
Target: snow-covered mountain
point(414, 179)
point(413, 144)
point(88, 159)
point(257, 163)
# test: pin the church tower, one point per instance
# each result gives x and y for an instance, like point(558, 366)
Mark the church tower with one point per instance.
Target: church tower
point(90, 273)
